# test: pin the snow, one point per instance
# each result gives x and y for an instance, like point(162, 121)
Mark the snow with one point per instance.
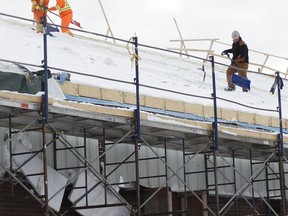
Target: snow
point(108, 60)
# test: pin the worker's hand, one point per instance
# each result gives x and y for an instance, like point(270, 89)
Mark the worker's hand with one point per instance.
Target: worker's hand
point(225, 52)
point(232, 62)
point(37, 7)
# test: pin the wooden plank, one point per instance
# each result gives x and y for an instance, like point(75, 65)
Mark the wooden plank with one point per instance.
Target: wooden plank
point(262, 135)
point(192, 123)
point(98, 109)
point(22, 97)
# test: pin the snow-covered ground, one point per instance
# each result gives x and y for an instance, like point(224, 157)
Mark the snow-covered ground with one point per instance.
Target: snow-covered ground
point(96, 57)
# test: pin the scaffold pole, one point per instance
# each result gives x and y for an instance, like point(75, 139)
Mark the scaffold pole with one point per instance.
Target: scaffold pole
point(215, 134)
point(44, 119)
point(137, 129)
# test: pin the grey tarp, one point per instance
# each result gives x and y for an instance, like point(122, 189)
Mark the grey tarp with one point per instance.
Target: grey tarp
point(22, 81)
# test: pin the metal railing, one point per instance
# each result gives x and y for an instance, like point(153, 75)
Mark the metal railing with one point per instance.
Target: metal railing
point(215, 47)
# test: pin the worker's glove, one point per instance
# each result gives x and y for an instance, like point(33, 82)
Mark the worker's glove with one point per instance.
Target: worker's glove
point(225, 52)
point(37, 7)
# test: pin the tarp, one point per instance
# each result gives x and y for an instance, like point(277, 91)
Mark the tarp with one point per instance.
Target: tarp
point(20, 83)
point(15, 77)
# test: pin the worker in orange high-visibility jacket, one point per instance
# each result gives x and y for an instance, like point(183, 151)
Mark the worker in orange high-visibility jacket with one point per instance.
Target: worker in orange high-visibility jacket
point(39, 8)
point(65, 13)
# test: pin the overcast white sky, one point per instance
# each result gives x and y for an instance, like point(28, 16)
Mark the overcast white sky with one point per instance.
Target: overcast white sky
point(261, 23)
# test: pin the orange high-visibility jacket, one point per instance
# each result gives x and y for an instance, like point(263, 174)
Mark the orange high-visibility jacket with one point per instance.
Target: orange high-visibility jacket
point(63, 7)
point(41, 3)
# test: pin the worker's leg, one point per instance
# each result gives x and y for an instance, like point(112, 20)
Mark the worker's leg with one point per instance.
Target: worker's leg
point(66, 20)
point(231, 70)
point(38, 14)
point(242, 71)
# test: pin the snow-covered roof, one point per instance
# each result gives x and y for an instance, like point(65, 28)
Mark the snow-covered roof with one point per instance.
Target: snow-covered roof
point(108, 60)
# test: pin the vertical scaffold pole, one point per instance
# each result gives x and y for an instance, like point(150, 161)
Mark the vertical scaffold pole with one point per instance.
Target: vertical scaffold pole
point(137, 89)
point(279, 87)
point(45, 65)
point(282, 186)
point(45, 118)
point(281, 148)
point(137, 129)
point(184, 177)
point(215, 123)
point(215, 134)
point(11, 159)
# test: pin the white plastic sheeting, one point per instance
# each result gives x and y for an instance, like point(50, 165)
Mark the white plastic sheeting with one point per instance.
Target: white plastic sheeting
point(153, 167)
point(195, 181)
point(96, 197)
point(33, 165)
